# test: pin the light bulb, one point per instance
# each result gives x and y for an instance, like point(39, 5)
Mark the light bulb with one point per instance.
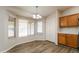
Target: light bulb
point(34, 16)
point(37, 16)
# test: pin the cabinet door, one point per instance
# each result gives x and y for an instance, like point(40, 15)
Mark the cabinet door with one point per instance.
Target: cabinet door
point(71, 40)
point(63, 22)
point(73, 20)
point(61, 39)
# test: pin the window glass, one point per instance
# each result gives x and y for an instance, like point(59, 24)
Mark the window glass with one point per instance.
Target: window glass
point(32, 28)
point(11, 27)
point(39, 26)
point(22, 27)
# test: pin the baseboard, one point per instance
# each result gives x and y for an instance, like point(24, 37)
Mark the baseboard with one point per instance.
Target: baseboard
point(7, 49)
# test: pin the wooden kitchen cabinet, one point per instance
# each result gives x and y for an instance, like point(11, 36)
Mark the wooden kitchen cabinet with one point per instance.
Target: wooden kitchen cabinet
point(73, 20)
point(61, 39)
point(68, 40)
point(69, 21)
point(71, 40)
point(63, 22)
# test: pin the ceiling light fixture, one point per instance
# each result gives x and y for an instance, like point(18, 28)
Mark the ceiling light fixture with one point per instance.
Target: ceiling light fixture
point(36, 15)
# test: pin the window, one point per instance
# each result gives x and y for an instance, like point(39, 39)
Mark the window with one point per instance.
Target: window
point(22, 27)
point(11, 27)
point(39, 26)
point(32, 28)
point(28, 30)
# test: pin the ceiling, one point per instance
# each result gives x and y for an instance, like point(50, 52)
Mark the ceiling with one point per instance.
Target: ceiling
point(28, 11)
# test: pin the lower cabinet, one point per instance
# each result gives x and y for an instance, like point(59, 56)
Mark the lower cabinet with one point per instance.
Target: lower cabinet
point(62, 39)
point(68, 39)
point(72, 40)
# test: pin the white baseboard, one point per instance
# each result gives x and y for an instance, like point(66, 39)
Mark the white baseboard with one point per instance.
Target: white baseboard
point(7, 49)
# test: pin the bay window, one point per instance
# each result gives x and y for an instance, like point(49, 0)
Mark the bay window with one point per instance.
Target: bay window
point(24, 27)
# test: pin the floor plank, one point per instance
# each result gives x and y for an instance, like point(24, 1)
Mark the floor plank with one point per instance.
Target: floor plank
point(41, 47)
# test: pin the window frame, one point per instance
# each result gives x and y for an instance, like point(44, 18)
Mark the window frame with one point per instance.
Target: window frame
point(32, 24)
point(41, 27)
point(14, 20)
point(18, 28)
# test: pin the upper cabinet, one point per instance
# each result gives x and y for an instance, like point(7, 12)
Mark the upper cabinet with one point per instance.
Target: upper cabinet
point(69, 21)
point(63, 22)
point(73, 20)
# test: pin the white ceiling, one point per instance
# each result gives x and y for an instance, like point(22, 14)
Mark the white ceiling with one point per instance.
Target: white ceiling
point(28, 11)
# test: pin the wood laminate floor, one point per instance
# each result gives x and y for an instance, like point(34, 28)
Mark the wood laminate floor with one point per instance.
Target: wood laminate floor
point(41, 47)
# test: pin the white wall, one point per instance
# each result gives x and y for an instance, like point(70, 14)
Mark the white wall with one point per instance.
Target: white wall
point(72, 30)
point(5, 43)
point(52, 27)
point(71, 11)
point(3, 30)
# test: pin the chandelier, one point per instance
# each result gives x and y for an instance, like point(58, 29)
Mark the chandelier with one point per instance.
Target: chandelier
point(36, 15)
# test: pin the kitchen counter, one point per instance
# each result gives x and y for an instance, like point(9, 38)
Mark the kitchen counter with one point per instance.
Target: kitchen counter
point(67, 33)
